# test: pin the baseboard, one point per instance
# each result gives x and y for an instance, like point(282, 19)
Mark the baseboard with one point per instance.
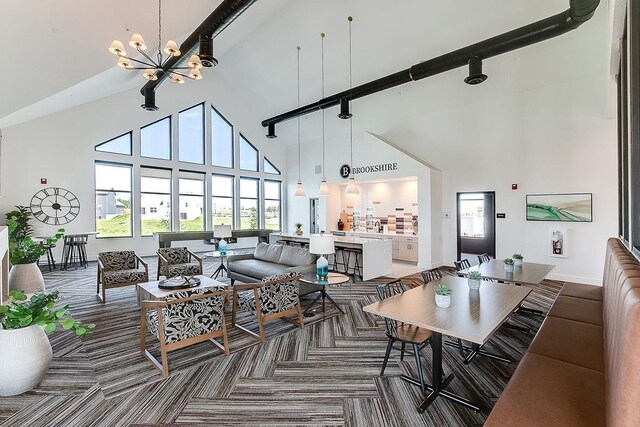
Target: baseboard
point(576, 279)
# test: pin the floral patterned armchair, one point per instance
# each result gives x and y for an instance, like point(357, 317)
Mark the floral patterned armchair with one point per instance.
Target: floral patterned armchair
point(174, 262)
point(119, 268)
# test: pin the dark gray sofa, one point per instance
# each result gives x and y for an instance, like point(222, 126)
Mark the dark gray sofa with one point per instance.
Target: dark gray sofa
point(268, 259)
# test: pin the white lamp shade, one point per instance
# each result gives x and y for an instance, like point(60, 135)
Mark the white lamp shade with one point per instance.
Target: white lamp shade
point(321, 244)
point(150, 74)
point(299, 190)
point(195, 74)
point(222, 231)
point(137, 42)
point(324, 189)
point(117, 48)
point(171, 48)
point(352, 188)
point(177, 79)
point(124, 63)
point(194, 62)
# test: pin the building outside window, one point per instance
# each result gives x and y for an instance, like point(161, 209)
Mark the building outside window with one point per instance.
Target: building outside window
point(155, 200)
point(272, 205)
point(222, 200)
point(191, 200)
point(113, 199)
point(249, 207)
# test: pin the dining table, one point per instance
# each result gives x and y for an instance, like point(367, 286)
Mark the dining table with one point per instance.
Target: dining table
point(474, 316)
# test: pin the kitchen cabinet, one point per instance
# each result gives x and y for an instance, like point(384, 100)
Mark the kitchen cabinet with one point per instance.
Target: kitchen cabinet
point(407, 249)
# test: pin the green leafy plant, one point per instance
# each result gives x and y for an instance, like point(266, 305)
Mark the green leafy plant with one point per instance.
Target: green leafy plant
point(298, 226)
point(517, 256)
point(39, 310)
point(22, 248)
point(474, 275)
point(508, 261)
point(442, 290)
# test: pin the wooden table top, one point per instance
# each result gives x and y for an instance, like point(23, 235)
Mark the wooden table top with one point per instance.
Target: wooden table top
point(152, 287)
point(529, 273)
point(473, 315)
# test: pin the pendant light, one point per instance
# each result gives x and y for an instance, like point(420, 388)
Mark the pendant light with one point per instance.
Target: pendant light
point(299, 188)
point(352, 188)
point(323, 191)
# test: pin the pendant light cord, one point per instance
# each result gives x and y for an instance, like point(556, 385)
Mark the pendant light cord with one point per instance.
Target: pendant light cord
point(350, 19)
point(159, 31)
point(324, 174)
point(298, 119)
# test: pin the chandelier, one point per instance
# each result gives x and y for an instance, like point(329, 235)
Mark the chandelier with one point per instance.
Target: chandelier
point(152, 66)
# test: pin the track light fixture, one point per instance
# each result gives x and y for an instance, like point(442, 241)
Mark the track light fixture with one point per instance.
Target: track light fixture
point(206, 51)
point(344, 109)
point(150, 100)
point(475, 72)
point(271, 131)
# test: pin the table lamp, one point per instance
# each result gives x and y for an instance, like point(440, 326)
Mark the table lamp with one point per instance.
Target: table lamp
point(222, 231)
point(321, 244)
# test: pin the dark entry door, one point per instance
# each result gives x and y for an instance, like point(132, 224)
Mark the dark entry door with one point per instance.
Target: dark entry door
point(476, 224)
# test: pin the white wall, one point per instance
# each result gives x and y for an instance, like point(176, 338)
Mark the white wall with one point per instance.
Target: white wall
point(60, 147)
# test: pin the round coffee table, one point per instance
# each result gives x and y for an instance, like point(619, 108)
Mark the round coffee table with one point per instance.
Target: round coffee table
point(222, 256)
point(332, 279)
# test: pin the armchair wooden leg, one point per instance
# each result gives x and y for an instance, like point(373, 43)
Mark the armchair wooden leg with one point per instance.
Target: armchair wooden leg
point(234, 309)
point(143, 330)
point(300, 321)
point(165, 362)
point(98, 282)
point(104, 294)
point(225, 341)
point(260, 327)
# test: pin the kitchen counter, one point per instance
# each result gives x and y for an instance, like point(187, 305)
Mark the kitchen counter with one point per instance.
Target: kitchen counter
point(374, 234)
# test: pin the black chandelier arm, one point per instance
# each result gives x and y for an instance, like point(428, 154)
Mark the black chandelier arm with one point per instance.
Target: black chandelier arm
point(146, 56)
point(141, 62)
point(180, 74)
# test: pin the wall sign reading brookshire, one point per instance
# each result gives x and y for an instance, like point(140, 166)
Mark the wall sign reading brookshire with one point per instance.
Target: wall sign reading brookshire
point(346, 170)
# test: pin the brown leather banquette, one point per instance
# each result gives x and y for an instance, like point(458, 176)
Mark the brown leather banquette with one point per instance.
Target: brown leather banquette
point(583, 366)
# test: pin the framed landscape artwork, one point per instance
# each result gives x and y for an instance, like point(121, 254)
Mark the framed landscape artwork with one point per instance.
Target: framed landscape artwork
point(574, 207)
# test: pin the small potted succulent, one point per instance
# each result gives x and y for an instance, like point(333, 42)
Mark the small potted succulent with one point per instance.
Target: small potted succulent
point(508, 265)
point(517, 259)
point(298, 231)
point(25, 351)
point(474, 279)
point(443, 296)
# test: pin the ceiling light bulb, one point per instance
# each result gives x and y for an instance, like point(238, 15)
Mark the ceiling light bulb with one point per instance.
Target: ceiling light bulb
point(194, 62)
point(195, 74)
point(124, 63)
point(324, 189)
point(117, 48)
point(352, 188)
point(150, 74)
point(299, 190)
point(171, 48)
point(137, 42)
point(177, 79)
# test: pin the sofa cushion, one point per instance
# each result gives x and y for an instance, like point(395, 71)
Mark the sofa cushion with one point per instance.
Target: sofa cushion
point(578, 290)
point(293, 256)
point(578, 309)
point(256, 268)
point(546, 392)
point(267, 252)
point(571, 342)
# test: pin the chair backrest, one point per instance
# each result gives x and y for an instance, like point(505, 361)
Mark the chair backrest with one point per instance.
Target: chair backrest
point(175, 255)
point(118, 260)
point(387, 291)
point(462, 264)
point(281, 296)
point(193, 318)
point(484, 258)
point(431, 275)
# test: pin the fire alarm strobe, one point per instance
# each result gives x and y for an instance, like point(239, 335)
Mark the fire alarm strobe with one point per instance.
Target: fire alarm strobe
point(514, 186)
point(43, 181)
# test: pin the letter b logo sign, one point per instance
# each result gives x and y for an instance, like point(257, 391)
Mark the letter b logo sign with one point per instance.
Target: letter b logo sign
point(345, 171)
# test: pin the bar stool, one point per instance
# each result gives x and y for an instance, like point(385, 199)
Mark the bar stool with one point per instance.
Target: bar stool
point(51, 262)
point(339, 265)
point(75, 251)
point(356, 262)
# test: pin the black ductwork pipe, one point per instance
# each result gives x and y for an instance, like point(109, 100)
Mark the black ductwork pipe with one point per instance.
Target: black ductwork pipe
point(217, 21)
point(578, 13)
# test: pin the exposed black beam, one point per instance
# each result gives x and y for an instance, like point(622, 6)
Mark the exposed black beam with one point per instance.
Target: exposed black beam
point(579, 12)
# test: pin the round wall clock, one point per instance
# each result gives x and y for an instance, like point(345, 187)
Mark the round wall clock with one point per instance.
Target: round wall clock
point(55, 206)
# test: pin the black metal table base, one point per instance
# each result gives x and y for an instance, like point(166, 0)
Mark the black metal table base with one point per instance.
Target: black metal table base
point(324, 296)
point(476, 350)
point(220, 270)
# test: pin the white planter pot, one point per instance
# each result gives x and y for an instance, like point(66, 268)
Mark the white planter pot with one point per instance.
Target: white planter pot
point(25, 356)
point(443, 301)
point(517, 262)
point(474, 283)
point(508, 268)
point(27, 278)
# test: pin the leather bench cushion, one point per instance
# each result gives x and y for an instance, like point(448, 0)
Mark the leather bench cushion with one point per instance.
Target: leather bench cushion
point(545, 392)
point(572, 342)
point(578, 290)
point(256, 268)
point(578, 309)
point(267, 252)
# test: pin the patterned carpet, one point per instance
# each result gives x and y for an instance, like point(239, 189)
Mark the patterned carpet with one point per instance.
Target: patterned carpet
point(325, 374)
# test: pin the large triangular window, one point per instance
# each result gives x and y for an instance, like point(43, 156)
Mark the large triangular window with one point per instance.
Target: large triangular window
point(117, 145)
point(270, 168)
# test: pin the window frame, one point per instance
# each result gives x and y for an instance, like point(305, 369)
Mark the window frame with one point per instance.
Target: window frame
point(170, 194)
point(266, 160)
point(232, 197)
point(204, 134)
point(243, 138)
point(170, 139)
point(95, 195)
point(279, 200)
point(257, 199)
point(233, 148)
point(203, 196)
point(130, 133)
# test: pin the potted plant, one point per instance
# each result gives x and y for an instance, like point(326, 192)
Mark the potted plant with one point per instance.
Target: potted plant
point(25, 351)
point(508, 265)
point(298, 231)
point(443, 296)
point(474, 279)
point(24, 252)
point(517, 259)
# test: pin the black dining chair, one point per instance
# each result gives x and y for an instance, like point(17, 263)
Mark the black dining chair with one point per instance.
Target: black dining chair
point(484, 258)
point(418, 338)
point(431, 275)
point(462, 265)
